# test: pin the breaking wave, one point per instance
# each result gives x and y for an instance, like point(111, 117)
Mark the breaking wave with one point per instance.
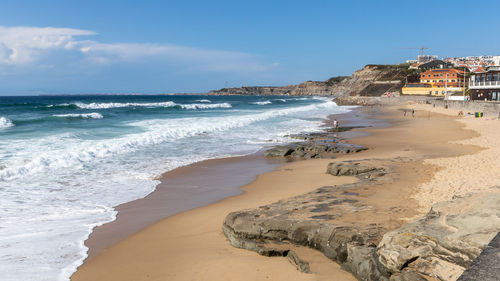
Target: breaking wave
point(125, 104)
point(262, 102)
point(158, 132)
point(204, 106)
point(93, 115)
point(167, 104)
point(5, 123)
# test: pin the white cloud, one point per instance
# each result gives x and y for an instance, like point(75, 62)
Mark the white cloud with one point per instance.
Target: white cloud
point(28, 45)
point(23, 45)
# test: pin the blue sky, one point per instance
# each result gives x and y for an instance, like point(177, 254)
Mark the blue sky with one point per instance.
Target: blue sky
point(193, 46)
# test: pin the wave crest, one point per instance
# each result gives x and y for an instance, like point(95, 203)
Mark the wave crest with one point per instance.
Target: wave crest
point(205, 106)
point(123, 104)
point(5, 123)
point(151, 104)
point(262, 102)
point(93, 115)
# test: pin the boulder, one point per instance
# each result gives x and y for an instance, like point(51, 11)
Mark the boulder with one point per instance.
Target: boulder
point(279, 151)
point(446, 240)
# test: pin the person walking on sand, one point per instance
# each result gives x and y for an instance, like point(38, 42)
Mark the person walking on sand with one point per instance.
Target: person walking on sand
point(413, 113)
point(335, 124)
point(404, 112)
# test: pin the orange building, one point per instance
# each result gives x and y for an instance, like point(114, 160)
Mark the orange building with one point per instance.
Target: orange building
point(437, 82)
point(443, 78)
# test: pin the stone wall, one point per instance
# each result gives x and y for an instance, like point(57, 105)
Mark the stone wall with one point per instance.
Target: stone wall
point(395, 99)
point(490, 109)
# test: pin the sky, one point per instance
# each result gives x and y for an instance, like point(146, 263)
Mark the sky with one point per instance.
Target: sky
point(85, 47)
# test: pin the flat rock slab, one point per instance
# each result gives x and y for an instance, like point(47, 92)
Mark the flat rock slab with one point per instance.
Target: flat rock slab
point(312, 149)
point(444, 242)
point(321, 220)
point(486, 267)
point(355, 169)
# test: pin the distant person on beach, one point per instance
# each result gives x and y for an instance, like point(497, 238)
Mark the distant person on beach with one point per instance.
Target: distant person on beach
point(335, 124)
point(413, 113)
point(404, 112)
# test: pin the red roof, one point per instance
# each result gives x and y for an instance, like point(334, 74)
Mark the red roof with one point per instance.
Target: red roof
point(479, 69)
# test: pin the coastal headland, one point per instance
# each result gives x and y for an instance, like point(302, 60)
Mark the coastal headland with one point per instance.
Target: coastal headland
point(411, 207)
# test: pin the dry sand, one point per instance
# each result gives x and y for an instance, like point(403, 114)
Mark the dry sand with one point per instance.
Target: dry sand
point(466, 173)
point(191, 245)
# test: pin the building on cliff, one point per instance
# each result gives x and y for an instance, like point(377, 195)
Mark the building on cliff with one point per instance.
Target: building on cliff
point(434, 65)
point(437, 82)
point(485, 84)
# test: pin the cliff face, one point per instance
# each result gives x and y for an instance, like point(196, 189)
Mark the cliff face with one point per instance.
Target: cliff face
point(372, 80)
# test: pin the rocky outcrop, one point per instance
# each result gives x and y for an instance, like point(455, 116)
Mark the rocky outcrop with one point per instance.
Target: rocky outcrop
point(446, 240)
point(372, 80)
point(437, 246)
point(316, 220)
point(352, 247)
point(315, 145)
point(354, 169)
point(312, 150)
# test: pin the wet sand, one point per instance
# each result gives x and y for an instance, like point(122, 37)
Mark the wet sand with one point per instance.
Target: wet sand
point(182, 189)
point(191, 246)
point(201, 184)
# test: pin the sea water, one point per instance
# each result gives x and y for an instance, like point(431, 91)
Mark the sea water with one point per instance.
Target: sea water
point(66, 161)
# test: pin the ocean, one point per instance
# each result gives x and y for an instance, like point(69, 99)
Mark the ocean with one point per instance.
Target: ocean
point(66, 161)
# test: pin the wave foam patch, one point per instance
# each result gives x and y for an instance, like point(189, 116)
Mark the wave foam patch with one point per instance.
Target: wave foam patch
point(262, 102)
point(93, 115)
point(205, 101)
point(167, 104)
point(126, 104)
point(205, 106)
point(5, 123)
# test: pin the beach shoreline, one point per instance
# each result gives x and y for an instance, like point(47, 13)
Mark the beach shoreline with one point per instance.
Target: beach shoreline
point(201, 184)
point(105, 261)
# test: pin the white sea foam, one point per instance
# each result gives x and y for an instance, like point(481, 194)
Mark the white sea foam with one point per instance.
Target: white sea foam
point(5, 123)
point(152, 104)
point(205, 106)
point(159, 132)
point(203, 100)
point(262, 102)
point(93, 115)
point(120, 104)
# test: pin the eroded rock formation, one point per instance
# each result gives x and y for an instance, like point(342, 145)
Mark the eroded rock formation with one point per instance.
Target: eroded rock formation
point(372, 80)
point(437, 246)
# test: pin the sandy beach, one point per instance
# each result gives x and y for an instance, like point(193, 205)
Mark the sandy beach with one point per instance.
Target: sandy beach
point(423, 152)
point(466, 173)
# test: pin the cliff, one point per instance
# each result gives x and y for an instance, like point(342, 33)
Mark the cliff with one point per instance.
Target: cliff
point(372, 80)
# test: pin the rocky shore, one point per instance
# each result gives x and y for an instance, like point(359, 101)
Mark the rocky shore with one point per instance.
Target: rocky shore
point(372, 241)
point(412, 206)
point(315, 145)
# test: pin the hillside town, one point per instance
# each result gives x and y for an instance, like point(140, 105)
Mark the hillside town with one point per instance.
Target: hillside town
point(459, 78)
